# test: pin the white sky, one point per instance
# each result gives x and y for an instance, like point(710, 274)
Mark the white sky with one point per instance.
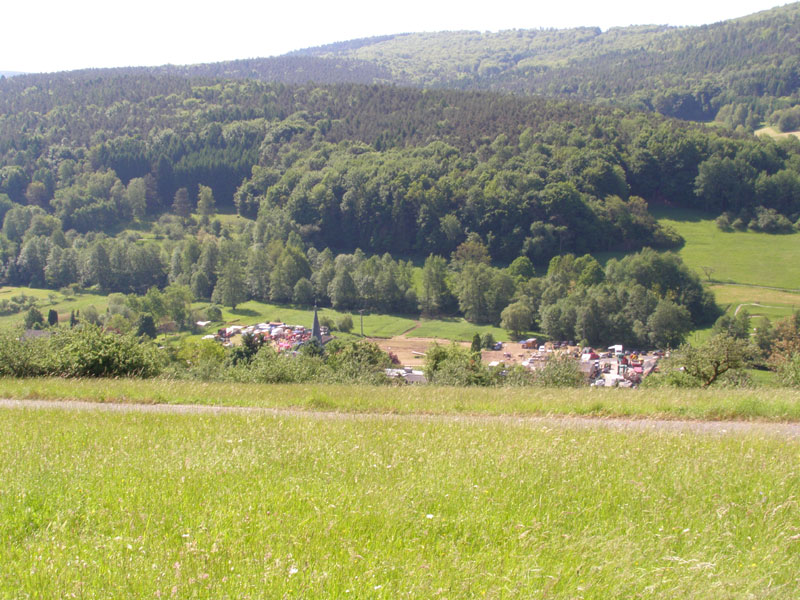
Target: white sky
point(57, 35)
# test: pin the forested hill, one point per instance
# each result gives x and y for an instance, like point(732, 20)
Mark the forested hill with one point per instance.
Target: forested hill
point(689, 72)
point(380, 168)
point(739, 72)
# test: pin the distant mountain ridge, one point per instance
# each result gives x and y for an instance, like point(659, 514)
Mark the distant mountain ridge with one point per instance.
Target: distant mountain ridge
point(687, 72)
point(739, 71)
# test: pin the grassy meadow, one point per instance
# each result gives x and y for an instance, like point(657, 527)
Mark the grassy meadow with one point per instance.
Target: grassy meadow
point(136, 505)
point(759, 302)
point(47, 299)
point(740, 257)
point(763, 404)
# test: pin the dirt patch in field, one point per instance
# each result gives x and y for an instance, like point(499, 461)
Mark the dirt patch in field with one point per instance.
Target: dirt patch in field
point(411, 350)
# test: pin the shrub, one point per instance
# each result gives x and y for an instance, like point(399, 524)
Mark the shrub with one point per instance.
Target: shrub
point(214, 313)
point(475, 347)
point(454, 365)
point(518, 376)
point(270, 367)
point(769, 220)
point(33, 318)
point(723, 222)
point(345, 324)
point(789, 371)
point(559, 371)
point(89, 351)
point(86, 351)
point(487, 341)
point(358, 361)
point(739, 224)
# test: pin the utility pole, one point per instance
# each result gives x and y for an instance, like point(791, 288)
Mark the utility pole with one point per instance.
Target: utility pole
point(361, 312)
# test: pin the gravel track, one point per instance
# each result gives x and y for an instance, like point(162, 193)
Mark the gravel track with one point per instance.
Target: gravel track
point(784, 430)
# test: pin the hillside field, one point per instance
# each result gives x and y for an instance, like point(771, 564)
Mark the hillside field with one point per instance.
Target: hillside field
point(47, 299)
point(758, 272)
point(746, 258)
point(141, 505)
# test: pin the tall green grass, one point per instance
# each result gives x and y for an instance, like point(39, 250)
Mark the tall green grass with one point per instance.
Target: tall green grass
point(101, 505)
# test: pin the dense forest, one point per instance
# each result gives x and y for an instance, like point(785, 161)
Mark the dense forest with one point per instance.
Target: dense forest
point(745, 67)
point(739, 72)
point(116, 179)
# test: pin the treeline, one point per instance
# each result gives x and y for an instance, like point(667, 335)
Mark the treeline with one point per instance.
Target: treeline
point(648, 299)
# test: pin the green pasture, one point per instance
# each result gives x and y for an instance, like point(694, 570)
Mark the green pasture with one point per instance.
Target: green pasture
point(130, 505)
point(735, 257)
point(770, 303)
point(47, 299)
point(767, 403)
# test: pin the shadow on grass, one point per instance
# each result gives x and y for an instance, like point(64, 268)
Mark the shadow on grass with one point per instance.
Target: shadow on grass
point(244, 312)
point(686, 215)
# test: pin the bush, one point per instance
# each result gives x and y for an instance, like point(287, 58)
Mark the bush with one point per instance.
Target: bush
point(200, 359)
point(518, 376)
point(33, 318)
point(739, 224)
point(667, 237)
point(21, 358)
point(769, 220)
point(345, 324)
point(359, 361)
point(86, 351)
point(454, 365)
point(723, 222)
point(789, 371)
point(214, 313)
point(559, 371)
point(487, 341)
point(269, 366)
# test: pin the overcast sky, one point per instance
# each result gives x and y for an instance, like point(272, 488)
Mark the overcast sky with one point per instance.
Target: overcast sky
point(57, 35)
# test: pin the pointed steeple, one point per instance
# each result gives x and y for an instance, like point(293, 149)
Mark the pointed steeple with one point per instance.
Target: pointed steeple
point(315, 329)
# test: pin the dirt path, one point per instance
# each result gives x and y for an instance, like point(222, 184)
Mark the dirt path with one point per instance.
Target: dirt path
point(784, 430)
point(738, 308)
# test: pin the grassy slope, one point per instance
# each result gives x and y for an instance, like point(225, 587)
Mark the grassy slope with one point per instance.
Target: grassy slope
point(773, 133)
point(741, 263)
point(750, 258)
point(145, 506)
point(62, 304)
point(769, 404)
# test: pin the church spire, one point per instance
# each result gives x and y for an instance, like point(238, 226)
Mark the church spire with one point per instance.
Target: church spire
point(315, 329)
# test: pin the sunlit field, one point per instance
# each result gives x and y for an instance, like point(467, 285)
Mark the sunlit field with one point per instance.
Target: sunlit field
point(745, 257)
point(100, 505)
